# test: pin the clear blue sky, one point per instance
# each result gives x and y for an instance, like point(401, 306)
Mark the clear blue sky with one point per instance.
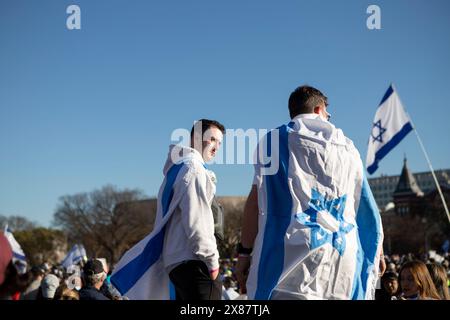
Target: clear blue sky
point(83, 108)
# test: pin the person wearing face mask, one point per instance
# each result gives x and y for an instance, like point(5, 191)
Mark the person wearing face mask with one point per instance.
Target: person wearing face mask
point(311, 228)
point(179, 259)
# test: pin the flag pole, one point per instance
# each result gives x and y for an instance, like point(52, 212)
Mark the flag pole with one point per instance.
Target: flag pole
point(428, 161)
point(432, 172)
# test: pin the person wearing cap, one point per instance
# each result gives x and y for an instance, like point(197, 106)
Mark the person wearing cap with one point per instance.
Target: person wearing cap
point(107, 289)
point(93, 275)
point(48, 287)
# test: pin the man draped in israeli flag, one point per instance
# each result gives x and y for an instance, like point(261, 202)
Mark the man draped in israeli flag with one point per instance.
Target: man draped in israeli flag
point(179, 258)
point(390, 125)
point(311, 228)
point(19, 259)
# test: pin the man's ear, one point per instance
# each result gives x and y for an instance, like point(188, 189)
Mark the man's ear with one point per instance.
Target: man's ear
point(317, 110)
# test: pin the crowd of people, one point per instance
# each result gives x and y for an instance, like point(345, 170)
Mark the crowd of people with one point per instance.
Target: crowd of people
point(407, 277)
point(88, 280)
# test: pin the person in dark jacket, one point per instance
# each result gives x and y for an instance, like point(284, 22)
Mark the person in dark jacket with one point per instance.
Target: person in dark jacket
point(93, 275)
point(389, 287)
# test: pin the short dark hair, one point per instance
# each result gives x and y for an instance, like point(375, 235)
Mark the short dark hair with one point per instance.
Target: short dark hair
point(304, 99)
point(206, 124)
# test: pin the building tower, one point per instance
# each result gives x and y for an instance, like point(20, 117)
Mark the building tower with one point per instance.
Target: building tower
point(407, 195)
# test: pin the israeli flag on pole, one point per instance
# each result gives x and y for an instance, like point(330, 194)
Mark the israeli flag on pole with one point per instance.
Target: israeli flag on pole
point(19, 258)
point(75, 255)
point(390, 125)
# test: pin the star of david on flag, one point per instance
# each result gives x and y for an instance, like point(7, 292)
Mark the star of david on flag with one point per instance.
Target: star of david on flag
point(326, 220)
point(377, 132)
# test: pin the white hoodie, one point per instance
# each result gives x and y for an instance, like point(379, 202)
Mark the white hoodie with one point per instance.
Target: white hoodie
point(190, 230)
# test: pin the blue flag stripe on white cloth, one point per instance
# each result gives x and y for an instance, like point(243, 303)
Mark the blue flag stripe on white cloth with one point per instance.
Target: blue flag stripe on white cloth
point(367, 218)
point(383, 151)
point(391, 124)
point(125, 278)
point(172, 291)
point(18, 254)
point(279, 212)
point(388, 93)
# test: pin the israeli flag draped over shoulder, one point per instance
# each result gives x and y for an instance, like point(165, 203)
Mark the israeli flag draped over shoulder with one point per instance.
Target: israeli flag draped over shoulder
point(74, 256)
point(19, 258)
point(390, 125)
point(140, 274)
point(319, 229)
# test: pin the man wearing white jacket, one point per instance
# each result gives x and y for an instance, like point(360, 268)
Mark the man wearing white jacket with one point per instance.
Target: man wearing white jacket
point(179, 258)
point(190, 251)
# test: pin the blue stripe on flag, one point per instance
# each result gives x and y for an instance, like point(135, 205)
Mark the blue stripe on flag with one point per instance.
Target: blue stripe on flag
point(168, 188)
point(127, 277)
point(19, 256)
point(366, 218)
point(172, 291)
point(279, 210)
point(384, 150)
point(388, 93)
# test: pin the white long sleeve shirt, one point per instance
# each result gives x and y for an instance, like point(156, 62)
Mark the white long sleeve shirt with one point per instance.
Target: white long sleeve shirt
point(190, 231)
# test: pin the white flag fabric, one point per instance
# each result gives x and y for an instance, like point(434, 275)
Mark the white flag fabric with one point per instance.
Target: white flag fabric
point(19, 258)
point(319, 233)
point(74, 256)
point(390, 125)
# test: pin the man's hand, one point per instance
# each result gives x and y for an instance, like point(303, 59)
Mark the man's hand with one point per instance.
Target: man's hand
point(242, 267)
point(382, 265)
point(213, 274)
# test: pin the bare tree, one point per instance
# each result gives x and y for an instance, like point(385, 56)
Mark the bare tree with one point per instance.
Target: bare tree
point(103, 220)
point(233, 210)
point(17, 223)
point(42, 245)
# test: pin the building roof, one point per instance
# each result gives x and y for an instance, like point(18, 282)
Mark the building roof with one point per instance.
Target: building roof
point(407, 184)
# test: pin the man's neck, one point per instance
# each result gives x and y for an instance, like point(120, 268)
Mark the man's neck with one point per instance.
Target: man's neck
point(306, 115)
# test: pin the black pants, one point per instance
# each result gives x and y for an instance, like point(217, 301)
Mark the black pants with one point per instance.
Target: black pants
point(193, 282)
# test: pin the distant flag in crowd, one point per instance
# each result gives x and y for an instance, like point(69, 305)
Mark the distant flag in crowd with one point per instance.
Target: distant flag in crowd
point(390, 125)
point(75, 255)
point(19, 258)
